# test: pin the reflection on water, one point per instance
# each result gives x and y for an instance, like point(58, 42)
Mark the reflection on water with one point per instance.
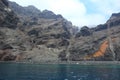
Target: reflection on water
point(19, 71)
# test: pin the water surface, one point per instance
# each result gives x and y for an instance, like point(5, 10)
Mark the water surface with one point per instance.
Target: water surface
point(27, 71)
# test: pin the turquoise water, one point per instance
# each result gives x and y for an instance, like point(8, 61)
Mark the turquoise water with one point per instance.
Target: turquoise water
point(20, 71)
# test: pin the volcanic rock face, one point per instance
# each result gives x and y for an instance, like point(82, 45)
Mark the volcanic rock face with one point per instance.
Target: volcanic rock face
point(7, 16)
point(28, 34)
point(12, 40)
point(91, 41)
point(48, 33)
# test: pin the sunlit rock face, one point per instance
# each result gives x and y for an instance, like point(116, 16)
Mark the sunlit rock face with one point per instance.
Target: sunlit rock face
point(5, 21)
point(28, 34)
point(93, 45)
point(10, 36)
point(49, 34)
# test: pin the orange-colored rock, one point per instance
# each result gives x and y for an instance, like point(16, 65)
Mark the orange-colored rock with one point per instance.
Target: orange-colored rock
point(101, 50)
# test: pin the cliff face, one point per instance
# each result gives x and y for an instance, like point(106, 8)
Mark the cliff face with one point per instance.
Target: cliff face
point(100, 41)
point(49, 34)
point(8, 24)
point(13, 41)
point(7, 16)
point(45, 36)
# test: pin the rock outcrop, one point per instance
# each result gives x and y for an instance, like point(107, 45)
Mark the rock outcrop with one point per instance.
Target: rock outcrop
point(12, 40)
point(7, 16)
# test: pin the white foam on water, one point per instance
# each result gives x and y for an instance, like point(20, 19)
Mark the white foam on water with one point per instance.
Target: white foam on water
point(74, 76)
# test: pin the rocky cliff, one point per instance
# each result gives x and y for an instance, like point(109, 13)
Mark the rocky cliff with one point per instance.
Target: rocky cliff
point(28, 34)
point(13, 41)
point(100, 42)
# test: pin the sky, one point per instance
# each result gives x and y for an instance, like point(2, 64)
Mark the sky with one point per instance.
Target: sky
point(79, 12)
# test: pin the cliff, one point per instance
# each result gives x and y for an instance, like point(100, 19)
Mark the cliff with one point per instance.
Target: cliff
point(28, 34)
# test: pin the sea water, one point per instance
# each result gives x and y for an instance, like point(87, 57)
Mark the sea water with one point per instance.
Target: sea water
point(28, 71)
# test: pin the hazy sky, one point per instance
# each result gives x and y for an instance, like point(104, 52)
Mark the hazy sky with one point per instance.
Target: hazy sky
point(79, 12)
